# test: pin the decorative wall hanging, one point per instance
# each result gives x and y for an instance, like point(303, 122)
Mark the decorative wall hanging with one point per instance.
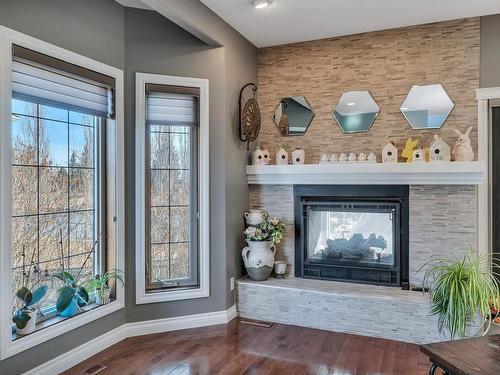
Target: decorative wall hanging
point(356, 111)
point(439, 150)
point(293, 115)
point(408, 150)
point(390, 153)
point(427, 107)
point(462, 150)
point(249, 116)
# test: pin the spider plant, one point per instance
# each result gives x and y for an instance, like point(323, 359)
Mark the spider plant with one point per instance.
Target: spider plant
point(100, 284)
point(460, 291)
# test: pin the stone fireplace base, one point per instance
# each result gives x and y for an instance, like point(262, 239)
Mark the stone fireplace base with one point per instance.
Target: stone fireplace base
point(366, 310)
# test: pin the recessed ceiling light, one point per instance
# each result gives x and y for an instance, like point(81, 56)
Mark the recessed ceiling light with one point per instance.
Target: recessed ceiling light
point(352, 103)
point(259, 4)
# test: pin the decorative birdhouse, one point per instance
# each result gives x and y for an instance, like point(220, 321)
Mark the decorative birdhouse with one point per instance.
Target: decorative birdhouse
point(439, 150)
point(260, 156)
point(389, 153)
point(282, 155)
point(419, 155)
point(298, 156)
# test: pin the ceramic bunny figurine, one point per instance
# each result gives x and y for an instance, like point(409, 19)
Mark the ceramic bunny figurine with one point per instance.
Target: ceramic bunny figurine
point(408, 150)
point(462, 151)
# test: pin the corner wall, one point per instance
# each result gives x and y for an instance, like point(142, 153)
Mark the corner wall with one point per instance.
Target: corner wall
point(490, 51)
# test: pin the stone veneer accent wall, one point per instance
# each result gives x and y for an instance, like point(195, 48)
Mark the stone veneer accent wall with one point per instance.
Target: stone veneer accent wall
point(442, 221)
point(387, 63)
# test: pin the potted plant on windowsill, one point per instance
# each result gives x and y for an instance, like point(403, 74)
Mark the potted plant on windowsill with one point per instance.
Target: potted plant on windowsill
point(261, 237)
point(461, 290)
point(25, 316)
point(100, 285)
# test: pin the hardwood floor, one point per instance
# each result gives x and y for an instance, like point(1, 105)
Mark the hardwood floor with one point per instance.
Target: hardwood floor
point(237, 348)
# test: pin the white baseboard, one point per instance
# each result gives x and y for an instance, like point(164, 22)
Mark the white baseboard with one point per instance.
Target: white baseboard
point(73, 357)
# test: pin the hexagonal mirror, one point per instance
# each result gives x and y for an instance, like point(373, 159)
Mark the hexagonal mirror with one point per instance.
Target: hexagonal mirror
point(356, 111)
point(427, 107)
point(293, 115)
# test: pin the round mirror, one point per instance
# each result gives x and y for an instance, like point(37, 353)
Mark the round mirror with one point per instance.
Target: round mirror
point(356, 111)
point(427, 107)
point(293, 115)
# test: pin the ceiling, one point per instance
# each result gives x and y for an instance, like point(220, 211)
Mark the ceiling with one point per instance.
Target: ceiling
point(133, 4)
point(289, 21)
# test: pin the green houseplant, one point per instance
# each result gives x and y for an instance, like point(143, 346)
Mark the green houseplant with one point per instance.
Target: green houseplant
point(71, 296)
point(100, 285)
point(460, 291)
point(25, 316)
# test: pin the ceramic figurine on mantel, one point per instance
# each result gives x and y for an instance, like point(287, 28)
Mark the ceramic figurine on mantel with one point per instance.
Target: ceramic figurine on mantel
point(390, 153)
point(439, 150)
point(260, 156)
point(408, 150)
point(282, 155)
point(262, 239)
point(298, 156)
point(462, 150)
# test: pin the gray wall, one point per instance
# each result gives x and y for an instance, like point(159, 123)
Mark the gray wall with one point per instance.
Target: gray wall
point(490, 51)
point(143, 41)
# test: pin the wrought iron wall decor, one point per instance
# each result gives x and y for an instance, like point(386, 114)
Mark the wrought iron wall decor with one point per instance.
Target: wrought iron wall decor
point(249, 115)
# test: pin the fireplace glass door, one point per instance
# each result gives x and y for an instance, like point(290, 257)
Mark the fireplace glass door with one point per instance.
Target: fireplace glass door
point(357, 239)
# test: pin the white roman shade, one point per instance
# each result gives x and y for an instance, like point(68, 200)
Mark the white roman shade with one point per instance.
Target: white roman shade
point(171, 108)
point(50, 84)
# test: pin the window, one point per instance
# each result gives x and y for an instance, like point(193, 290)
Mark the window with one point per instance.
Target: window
point(61, 180)
point(55, 194)
point(171, 141)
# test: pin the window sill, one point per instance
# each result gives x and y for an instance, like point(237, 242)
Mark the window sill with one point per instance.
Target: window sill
point(171, 295)
point(57, 326)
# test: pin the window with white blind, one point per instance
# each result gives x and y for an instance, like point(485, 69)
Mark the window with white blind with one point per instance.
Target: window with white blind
point(60, 166)
point(172, 186)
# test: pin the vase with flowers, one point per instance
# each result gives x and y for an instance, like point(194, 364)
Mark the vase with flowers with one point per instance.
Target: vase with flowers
point(259, 254)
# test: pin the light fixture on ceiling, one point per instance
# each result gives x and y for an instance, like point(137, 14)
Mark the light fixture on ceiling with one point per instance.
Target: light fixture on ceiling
point(352, 103)
point(260, 4)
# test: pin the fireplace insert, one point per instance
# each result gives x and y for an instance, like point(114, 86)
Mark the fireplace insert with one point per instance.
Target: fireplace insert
point(352, 233)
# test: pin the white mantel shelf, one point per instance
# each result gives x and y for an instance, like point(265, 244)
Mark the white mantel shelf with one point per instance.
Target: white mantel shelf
point(438, 173)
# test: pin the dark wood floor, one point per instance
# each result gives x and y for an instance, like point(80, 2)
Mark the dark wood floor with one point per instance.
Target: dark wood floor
point(237, 348)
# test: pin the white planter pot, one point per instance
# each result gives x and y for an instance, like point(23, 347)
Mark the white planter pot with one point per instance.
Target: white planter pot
point(30, 326)
point(102, 297)
point(259, 259)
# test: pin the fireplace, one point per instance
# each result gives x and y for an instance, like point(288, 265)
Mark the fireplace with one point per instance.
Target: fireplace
point(352, 233)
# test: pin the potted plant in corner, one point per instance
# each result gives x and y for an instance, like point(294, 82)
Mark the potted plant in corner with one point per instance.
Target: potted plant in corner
point(261, 237)
point(461, 290)
point(99, 285)
point(25, 316)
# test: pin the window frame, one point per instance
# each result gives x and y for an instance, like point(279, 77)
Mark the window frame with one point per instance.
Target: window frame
point(8, 37)
point(203, 289)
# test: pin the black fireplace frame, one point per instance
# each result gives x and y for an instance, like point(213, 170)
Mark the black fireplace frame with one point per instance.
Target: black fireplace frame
point(397, 194)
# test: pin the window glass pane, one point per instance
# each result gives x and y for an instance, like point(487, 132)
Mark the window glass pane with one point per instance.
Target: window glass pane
point(179, 187)
point(53, 228)
point(159, 187)
point(159, 149)
point(53, 113)
point(160, 262)
point(53, 143)
point(81, 240)
point(179, 150)
point(24, 140)
point(179, 255)
point(81, 185)
point(20, 107)
point(24, 190)
point(53, 189)
point(159, 225)
point(24, 236)
point(81, 118)
point(179, 224)
point(81, 146)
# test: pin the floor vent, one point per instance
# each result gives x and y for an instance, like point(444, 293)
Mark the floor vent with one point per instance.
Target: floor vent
point(258, 323)
point(94, 370)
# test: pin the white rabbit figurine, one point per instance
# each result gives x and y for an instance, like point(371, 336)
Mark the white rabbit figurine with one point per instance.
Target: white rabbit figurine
point(462, 151)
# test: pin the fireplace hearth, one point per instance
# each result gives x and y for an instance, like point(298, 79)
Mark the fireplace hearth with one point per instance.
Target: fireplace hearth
point(352, 233)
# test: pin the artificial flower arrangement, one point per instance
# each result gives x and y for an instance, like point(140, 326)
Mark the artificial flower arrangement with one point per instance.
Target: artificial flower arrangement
point(270, 229)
